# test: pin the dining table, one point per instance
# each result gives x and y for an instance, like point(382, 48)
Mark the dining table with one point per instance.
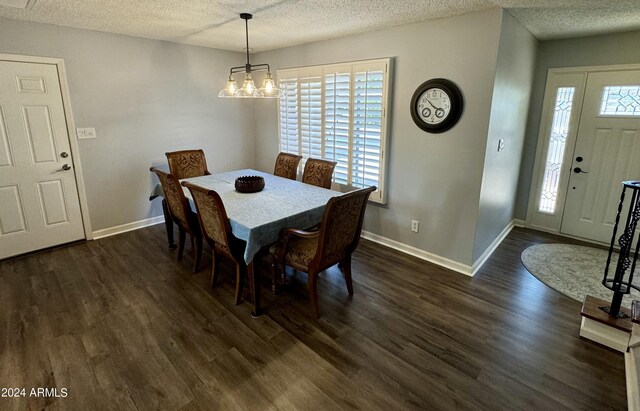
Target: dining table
point(258, 218)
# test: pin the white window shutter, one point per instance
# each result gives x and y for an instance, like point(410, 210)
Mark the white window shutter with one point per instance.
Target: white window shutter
point(311, 117)
point(367, 128)
point(338, 112)
point(337, 119)
point(288, 109)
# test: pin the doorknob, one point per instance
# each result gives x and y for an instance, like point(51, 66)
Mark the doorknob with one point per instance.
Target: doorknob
point(66, 167)
point(578, 170)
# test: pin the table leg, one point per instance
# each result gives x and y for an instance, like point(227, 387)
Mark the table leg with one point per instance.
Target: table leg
point(254, 285)
point(168, 224)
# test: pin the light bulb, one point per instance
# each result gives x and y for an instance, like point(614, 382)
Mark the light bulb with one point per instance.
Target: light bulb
point(231, 86)
point(230, 89)
point(268, 84)
point(248, 85)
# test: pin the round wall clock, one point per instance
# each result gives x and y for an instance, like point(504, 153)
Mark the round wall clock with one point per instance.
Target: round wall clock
point(436, 105)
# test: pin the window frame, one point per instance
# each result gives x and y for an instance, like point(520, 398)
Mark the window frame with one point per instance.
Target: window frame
point(321, 71)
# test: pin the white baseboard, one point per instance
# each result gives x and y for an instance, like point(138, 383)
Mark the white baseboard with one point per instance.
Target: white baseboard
point(487, 253)
point(443, 261)
point(119, 229)
point(633, 385)
point(518, 222)
point(416, 252)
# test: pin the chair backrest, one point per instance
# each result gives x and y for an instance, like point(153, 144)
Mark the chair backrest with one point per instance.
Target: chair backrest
point(174, 196)
point(341, 226)
point(212, 215)
point(187, 163)
point(318, 172)
point(287, 165)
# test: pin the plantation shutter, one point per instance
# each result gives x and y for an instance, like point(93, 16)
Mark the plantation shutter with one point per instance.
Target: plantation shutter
point(367, 121)
point(338, 112)
point(289, 116)
point(337, 123)
point(311, 117)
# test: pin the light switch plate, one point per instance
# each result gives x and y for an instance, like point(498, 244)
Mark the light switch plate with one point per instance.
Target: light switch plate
point(84, 133)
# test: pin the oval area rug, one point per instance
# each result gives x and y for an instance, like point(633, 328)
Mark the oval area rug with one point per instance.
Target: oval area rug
point(574, 270)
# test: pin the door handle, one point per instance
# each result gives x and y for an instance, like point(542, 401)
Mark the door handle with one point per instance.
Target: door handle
point(578, 170)
point(65, 167)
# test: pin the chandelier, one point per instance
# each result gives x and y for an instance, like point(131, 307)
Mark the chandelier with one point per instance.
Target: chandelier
point(248, 89)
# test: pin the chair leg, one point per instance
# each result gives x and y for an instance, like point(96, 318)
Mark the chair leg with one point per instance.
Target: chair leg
point(196, 264)
point(181, 237)
point(214, 268)
point(346, 271)
point(240, 274)
point(313, 294)
point(274, 271)
point(168, 223)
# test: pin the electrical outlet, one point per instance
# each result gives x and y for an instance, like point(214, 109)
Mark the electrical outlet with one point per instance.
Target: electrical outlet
point(501, 144)
point(86, 133)
point(414, 225)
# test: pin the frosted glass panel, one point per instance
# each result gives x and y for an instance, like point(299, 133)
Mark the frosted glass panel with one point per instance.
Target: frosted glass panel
point(620, 101)
point(555, 154)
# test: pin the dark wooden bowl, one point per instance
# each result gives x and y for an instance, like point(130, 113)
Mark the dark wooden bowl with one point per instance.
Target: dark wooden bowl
point(249, 184)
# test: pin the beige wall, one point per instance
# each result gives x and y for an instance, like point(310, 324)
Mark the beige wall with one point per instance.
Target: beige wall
point(433, 178)
point(611, 49)
point(143, 97)
point(509, 107)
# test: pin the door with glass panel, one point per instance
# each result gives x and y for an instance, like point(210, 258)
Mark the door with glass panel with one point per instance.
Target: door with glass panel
point(607, 151)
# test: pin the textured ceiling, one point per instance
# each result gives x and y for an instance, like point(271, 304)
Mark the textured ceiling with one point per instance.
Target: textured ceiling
point(282, 23)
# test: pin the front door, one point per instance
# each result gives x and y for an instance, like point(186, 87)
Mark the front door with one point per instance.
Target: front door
point(39, 203)
point(607, 152)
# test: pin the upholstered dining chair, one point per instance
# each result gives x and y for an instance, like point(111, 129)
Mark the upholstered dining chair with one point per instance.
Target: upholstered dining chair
point(334, 242)
point(318, 172)
point(216, 229)
point(187, 163)
point(287, 165)
point(181, 214)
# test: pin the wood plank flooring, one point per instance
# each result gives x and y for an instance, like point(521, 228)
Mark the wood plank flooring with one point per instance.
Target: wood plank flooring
point(122, 325)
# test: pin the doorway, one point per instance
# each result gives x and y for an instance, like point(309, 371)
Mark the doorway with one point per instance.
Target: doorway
point(42, 202)
point(589, 143)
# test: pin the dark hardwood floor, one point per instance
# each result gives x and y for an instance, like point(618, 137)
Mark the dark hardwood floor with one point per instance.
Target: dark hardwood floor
point(122, 325)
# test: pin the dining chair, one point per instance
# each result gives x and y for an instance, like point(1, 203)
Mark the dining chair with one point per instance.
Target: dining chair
point(187, 163)
point(287, 165)
point(181, 214)
point(318, 172)
point(216, 229)
point(333, 243)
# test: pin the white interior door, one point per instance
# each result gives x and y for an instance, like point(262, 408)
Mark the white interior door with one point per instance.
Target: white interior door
point(39, 204)
point(607, 152)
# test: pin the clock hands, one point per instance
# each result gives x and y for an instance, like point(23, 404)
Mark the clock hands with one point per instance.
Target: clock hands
point(439, 111)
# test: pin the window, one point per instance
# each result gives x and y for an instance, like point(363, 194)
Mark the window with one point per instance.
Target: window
point(620, 101)
point(338, 112)
point(555, 154)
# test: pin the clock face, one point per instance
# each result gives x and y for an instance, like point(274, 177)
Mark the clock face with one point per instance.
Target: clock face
point(434, 105)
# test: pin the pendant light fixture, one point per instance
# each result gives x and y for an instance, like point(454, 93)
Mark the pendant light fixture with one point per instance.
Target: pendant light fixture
point(248, 89)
